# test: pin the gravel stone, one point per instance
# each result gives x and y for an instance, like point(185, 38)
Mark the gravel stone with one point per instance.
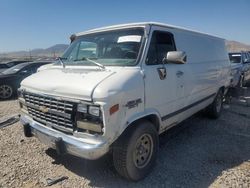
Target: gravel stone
point(200, 152)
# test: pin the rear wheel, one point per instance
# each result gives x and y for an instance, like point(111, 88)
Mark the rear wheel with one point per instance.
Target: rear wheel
point(6, 91)
point(214, 109)
point(240, 83)
point(135, 152)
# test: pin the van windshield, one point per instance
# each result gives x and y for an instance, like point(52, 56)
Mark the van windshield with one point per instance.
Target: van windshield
point(110, 48)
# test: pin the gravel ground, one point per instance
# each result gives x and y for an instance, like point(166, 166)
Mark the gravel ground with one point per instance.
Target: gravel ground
point(199, 153)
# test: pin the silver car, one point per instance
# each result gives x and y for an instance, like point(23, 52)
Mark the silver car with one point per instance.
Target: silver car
point(240, 68)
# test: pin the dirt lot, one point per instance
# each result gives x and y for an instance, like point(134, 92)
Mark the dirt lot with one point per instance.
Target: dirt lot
point(199, 153)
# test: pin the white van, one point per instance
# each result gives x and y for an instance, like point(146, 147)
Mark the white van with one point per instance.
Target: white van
point(117, 88)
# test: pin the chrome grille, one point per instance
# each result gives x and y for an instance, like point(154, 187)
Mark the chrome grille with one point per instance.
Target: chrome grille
point(52, 112)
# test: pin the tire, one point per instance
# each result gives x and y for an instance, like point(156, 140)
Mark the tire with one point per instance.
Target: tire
point(240, 83)
point(243, 82)
point(135, 152)
point(6, 91)
point(214, 109)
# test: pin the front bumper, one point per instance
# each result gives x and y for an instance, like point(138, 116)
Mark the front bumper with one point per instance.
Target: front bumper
point(88, 148)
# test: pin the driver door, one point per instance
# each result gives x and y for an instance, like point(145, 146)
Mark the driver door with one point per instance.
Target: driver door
point(162, 84)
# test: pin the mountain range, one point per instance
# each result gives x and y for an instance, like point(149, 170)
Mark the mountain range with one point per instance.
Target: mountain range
point(58, 49)
point(234, 46)
point(52, 51)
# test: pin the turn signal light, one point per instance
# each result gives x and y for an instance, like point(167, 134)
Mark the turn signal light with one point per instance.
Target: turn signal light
point(114, 109)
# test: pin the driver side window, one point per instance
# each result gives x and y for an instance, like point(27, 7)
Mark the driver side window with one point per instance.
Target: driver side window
point(161, 43)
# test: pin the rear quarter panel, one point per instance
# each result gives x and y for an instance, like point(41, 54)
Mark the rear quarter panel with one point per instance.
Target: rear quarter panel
point(207, 64)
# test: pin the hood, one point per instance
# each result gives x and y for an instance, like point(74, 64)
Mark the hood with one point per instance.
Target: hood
point(6, 75)
point(71, 83)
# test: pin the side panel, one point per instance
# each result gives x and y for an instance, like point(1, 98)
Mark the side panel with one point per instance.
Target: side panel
point(208, 63)
point(207, 69)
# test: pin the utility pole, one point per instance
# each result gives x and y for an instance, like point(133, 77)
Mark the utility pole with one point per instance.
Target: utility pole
point(30, 54)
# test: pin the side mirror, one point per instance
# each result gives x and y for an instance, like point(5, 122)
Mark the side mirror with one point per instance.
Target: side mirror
point(177, 57)
point(246, 61)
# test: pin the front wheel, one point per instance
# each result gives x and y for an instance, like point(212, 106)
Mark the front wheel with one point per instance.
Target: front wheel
point(6, 91)
point(135, 152)
point(214, 109)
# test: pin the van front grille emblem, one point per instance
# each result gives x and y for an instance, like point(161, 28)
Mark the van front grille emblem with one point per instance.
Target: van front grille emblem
point(43, 109)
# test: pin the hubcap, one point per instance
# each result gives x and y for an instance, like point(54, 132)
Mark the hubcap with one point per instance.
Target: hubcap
point(5, 91)
point(143, 150)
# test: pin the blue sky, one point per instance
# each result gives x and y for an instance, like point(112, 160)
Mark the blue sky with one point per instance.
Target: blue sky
point(29, 24)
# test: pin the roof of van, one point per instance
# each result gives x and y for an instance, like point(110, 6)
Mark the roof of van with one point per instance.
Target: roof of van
point(141, 24)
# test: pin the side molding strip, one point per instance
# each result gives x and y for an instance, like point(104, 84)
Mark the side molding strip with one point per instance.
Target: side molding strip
point(186, 108)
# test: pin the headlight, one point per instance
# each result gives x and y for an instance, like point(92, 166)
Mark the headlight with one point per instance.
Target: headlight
point(88, 119)
point(94, 110)
point(82, 108)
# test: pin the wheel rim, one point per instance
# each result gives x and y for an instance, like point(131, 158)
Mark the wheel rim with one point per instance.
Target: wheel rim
point(143, 150)
point(5, 91)
point(218, 103)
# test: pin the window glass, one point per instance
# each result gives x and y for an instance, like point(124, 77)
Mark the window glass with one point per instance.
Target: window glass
point(235, 57)
point(33, 68)
point(28, 70)
point(109, 48)
point(248, 56)
point(244, 56)
point(11, 64)
point(161, 43)
point(15, 69)
point(3, 66)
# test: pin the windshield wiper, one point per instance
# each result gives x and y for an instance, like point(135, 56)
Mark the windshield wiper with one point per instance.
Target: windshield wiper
point(61, 61)
point(91, 61)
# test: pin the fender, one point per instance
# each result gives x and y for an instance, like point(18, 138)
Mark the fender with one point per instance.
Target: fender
point(141, 115)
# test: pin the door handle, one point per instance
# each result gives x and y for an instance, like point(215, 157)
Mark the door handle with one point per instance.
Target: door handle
point(162, 72)
point(179, 73)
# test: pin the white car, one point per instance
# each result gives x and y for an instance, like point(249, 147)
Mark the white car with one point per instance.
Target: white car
point(117, 88)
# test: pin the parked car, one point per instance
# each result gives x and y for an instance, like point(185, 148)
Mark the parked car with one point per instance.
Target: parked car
point(11, 78)
point(6, 65)
point(240, 66)
point(3, 67)
point(116, 89)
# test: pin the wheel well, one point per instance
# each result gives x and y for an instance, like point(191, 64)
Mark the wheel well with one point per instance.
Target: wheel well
point(222, 89)
point(152, 119)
